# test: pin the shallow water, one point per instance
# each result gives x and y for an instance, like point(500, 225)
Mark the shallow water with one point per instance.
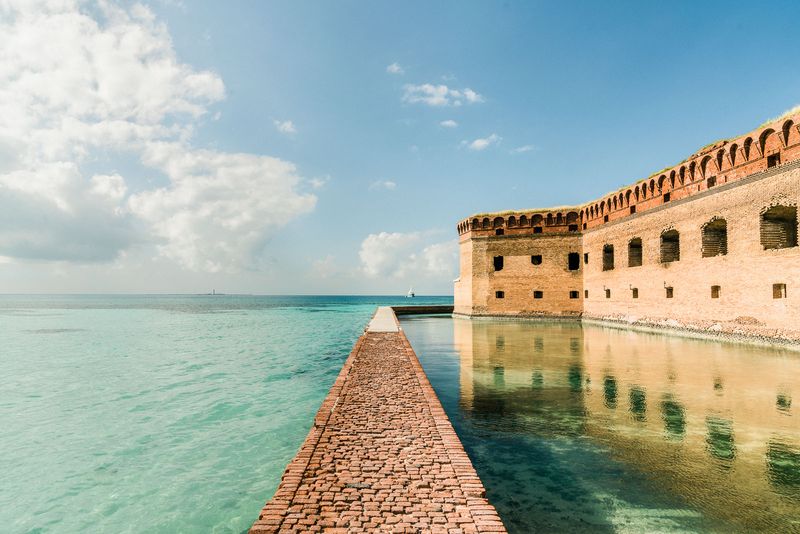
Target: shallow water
point(589, 429)
point(164, 413)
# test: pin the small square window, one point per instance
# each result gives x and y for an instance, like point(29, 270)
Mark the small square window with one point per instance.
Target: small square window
point(498, 263)
point(499, 231)
point(537, 229)
point(670, 292)
point(538, 294)
point(573, 261)
point(499, 295)
point(536, 259)
point(574, 294)
point(605, 219)
point(585, 257)
point(608, 293)
point(773, 160)
point(633, 210)
point(667, 197)
point(573, 228)
point(586, 293)
point(711, 182)
point(779, 291)
point(715, 292)
point(635, 292)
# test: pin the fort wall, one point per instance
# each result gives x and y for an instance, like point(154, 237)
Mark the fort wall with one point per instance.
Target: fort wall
point(710, 243)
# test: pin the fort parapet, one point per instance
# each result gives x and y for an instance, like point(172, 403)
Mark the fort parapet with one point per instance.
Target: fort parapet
point(709, 244)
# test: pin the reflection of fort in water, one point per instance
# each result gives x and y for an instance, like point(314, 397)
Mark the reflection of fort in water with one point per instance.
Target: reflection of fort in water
point(711, 422)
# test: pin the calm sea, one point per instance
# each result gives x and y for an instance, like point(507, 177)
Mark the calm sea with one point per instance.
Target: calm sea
point(161, 413)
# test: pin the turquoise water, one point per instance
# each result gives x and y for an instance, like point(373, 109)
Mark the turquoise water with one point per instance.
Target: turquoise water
point(590, 429)
point(163, 413)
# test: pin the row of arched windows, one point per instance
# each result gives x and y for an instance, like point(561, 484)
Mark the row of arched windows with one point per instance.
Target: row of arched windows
point(705, 167)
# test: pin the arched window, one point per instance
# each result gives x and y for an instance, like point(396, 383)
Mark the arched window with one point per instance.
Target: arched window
point(672, 179)
point(764, 140)
point(779, 227)
point(732, 154)
point(748, 143)
point(720, 155)
point(523, 220)
point(704, 166)
point(682, 175)
point(486, 223)
point(537, 220)
point(661, 180)
point(498, 222)
point(715, 238)
point(670, 246)
point(549, 219)
point(475, 224)
point(787, 132)
point(512, 221)
point(628, 198)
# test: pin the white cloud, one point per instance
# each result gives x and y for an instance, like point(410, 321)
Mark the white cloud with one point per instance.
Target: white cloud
point(482, 143)
point(286, 127)
point(407, 256)
point(522, 149)
point(220, 208)
point(395, 68)
point(383, 184)
point(319, 183)
point(79, 79)
point(449, 123)
point(439, 95)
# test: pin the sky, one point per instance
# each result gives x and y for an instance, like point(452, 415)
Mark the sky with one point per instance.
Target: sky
point(298, 147)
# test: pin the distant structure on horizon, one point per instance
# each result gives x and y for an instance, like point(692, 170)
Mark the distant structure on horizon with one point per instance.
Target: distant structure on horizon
point(709, 244)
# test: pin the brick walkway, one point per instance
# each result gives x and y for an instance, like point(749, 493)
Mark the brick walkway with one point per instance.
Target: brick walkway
point(382, 456)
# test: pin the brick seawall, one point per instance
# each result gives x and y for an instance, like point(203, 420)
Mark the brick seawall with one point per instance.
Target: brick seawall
point(382, 455)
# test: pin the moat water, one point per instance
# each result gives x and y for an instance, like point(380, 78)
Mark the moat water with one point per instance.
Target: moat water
point(161, 414)
point(590, 429)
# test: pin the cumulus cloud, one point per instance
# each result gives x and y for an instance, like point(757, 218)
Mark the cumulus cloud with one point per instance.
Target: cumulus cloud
point(482, 143)
point(383, 184)
point(409, 255)
point(286, 127)
point(220, 208)
point(449, 123)
point(79, 79)
point(395, 68)
point(439, 95)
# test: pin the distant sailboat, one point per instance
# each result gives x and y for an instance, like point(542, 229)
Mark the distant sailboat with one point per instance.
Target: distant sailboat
point(410, 293)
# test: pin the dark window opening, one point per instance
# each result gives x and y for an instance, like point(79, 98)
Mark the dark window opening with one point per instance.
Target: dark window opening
point(635, 292)
point(498, 263)
point(670, 292)
point(499, 231)
point(608, 293)
point(711, 182)
point(537, 229)
point(605, 219)
point(585, 257)
point(670, 246)
point(715, 292)
point(572, 228)
point(773, 160)
point(779, 227)
point(573, 294)
point(499, 294)
point(573, 261)
point(608, 257)
point(633, 210)
point(538, 294)
point(635, 252)
point(715, 238)
point(536, 260)
point(586, 293)
point(779, 291)
point(667, 197)
point(584, 226)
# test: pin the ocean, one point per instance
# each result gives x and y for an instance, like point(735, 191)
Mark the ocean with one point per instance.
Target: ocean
point(161, 413)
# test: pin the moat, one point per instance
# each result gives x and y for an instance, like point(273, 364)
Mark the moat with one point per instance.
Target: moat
point(588, 429)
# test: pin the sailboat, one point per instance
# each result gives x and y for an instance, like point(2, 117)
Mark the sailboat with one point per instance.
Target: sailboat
point(410, 293)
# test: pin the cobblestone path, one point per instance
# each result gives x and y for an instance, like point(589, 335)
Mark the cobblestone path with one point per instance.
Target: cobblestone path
point(382, 456)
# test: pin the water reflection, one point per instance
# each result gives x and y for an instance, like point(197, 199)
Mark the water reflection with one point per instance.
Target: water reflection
point(720, 450)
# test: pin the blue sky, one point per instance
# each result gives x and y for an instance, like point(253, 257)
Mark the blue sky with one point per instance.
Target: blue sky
point(269, 147)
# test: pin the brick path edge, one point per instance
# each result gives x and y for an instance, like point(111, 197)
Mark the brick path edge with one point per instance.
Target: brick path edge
point(484, 517)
